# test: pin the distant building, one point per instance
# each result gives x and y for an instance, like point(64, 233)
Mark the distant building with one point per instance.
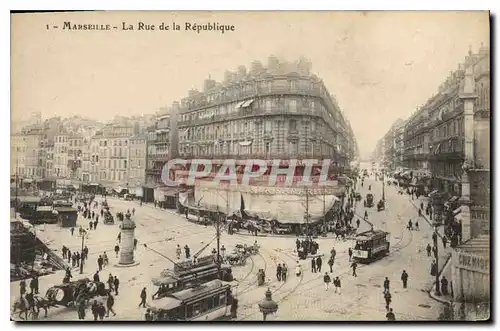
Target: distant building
point(137, 161)
point(113, 155)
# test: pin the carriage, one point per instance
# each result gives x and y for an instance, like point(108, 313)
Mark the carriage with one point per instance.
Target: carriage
point(248, 250)
point(73, 293)
point(108, 218)
point(369, 200)
point(381, 205)
point(237, 257)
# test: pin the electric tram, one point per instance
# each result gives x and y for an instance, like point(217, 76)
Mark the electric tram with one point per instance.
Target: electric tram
point(370, 245)
point(210, 301)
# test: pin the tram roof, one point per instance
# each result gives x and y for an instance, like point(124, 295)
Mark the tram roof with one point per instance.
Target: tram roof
point(199, 290)
point(370, 234)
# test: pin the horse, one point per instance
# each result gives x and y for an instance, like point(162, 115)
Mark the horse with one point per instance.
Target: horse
point(26, 305)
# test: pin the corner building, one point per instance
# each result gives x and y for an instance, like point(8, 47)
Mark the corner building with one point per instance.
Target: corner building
point(281, 111)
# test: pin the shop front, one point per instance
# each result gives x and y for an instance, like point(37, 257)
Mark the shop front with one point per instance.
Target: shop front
point(471, 281)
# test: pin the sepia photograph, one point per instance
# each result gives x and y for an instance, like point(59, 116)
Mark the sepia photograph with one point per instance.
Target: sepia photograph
point(250, 166)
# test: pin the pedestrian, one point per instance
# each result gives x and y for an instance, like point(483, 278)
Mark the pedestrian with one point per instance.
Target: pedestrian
point(105, 259)
point(445, 241)
point(326, 280)
point(90, 225)
point(96, 277)
point(178, 252)
point(298, 270)
point(313, 265)
point(428, 249)
point(357, 223)
point(116, 283)
point(388, 299)
point(349, 251)
point(64, 251)
point(73, 260)
point(95, 225)
point(435, 251)
point(81, 310)
point(110, 301)
point(117, 249)
point(434, 237)
point(187, 251)
point(404, 278)
point(410, 225)
point(278, 272)
point(337, 284)
point(72, 230)
point(390, 316)
point(32, 285)
point(143, 298)
point(77, 258)
point(333, 253)
point(444, 285)
point(100, 262)
point(133, 211)
point(22, 287)
point(416, 225)
point(36, 284)
point(135, 244)
point(386, 285)
point(97, 218)
point(111, 281)
point(319, 262)
point(354, 265)
point(148, 316)
point(95, 309)
point(284, 272)
point(102, 212)
point(93, 215)
point(101, 311)
point(330, 263)
point(86, 250)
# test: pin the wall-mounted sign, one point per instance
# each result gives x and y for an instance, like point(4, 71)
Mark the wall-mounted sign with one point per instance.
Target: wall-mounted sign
point(473, 262)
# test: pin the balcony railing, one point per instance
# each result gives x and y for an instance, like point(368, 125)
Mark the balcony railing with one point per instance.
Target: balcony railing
point(259, 156)
point(153, 171)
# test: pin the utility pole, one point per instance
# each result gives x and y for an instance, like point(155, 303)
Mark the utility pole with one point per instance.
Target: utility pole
point(383, 187)
point(307, 211)
point(324, 207)
point(82, 260)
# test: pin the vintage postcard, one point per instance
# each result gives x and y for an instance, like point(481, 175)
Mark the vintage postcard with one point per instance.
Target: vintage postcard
point(250, 166)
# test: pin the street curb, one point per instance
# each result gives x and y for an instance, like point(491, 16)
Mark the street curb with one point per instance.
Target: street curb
point(426, 219)
point(431, 293)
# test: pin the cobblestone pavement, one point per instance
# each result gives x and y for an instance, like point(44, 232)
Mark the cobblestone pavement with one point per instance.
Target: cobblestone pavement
point(300, 298)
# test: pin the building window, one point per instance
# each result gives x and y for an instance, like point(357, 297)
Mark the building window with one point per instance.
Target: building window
point(292, 125)
point(269, 105)
point(293, 106)
point(267, 147)
point(125, 164)
point(267, 126)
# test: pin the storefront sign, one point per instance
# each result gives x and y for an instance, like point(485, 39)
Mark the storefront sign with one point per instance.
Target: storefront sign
point(473, 262)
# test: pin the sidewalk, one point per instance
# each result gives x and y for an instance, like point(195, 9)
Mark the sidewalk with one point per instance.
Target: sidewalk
point(445, 265)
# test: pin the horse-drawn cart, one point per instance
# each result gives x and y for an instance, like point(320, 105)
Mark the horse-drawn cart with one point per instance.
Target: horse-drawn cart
point(73, 293)
point(237, 257)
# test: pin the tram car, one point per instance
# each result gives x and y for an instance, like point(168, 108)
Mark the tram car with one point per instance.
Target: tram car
point(209, 301)
point(370, 246)
point(171, 282)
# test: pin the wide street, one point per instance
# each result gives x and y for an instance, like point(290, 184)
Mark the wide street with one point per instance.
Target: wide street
point(300, 298)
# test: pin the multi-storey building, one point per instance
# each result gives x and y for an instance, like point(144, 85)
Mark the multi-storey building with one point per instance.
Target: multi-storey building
point(94, 158)
point(278, 111)
point(75, 157)
point(49, 157)
point(281, 111)
point(158, 149)
point(61, 147)
point(399, 135)
point(113, 155)
point(26, 153)
point(393, 142)
point(137, 160)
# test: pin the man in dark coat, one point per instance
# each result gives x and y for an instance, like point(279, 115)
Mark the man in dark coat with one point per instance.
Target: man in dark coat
point(143, 298)
point(319, 262)
point(95, 310)
point(100, 261)
point(96, 277)
point(390, 316)
point(404, 278)
point(116, 283)
point(110, 301)
point(101, 311)
point(444, 285)
point(386, 285)
point(278, 272)
point(330, 263)
point(350, 253)
point(313, 265)
point(354, 266)
point(388, 299)
point(81, 310)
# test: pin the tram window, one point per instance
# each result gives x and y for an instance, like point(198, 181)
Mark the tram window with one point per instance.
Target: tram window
point(222, 299)
point(216, 301)
point(210, 303)
point(197, 309)
point(189, 311)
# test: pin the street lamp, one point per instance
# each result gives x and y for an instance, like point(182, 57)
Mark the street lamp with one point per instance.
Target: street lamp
point(268, 305)
point(82, 260)
point(435, 240)
point(383, 187)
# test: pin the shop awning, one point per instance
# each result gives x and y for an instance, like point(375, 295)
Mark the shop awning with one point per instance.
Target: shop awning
point(240, 104)
point(247, 103)
point(245, 143)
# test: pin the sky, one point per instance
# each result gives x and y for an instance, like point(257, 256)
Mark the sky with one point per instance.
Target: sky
point(379, 65)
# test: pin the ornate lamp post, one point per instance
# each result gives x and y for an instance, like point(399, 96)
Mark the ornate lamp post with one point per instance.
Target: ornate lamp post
point(268, 305)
